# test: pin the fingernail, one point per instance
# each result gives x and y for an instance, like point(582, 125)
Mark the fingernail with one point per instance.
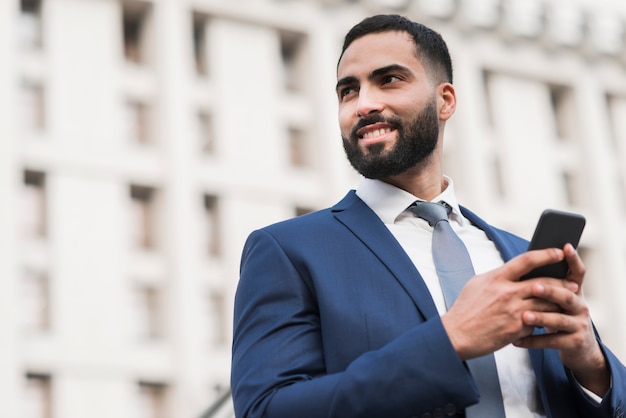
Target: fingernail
point(573, 286)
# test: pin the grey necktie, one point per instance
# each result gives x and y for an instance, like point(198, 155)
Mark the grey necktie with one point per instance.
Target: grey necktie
point(454, 268)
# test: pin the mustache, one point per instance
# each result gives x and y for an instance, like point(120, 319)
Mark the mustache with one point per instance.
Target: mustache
point(377, 118)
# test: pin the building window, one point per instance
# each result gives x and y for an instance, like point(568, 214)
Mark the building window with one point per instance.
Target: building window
point(200, 44)
point(152, 400)
point(212, 225)
point(144, 217)
point(138, 122)
point(487, 77)
point(218, 315)
point(617, 114)
point(574, 188)
point(204, 132)
point(301, 210)
point(34, 206)
point(300, 153)
point(35, 301)
point(136, 31)
point(498, 178)
point(563, 106)
point(294, 61)
point(38, 396)
point(148, 312)
point(30, 24)
point(32, 107)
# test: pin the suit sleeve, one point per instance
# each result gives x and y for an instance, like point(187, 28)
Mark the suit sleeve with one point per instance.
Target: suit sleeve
point(614, 401)
point(278, 367)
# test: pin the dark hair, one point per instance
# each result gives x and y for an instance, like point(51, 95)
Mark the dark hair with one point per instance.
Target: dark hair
point(431, 49)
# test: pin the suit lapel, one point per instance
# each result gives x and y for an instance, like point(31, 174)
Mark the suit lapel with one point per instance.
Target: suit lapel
point(369, 229)
point(508, 245)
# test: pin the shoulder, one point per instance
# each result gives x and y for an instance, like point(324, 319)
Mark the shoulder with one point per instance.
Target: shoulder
point(315, 225)
point(316, 219)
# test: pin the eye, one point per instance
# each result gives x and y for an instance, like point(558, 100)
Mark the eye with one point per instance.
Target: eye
point(390, 79)
point(346, 91)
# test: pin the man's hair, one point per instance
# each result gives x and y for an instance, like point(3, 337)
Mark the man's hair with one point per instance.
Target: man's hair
point(431, 49)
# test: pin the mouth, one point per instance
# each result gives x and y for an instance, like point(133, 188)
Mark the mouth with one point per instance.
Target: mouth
point(374, 133)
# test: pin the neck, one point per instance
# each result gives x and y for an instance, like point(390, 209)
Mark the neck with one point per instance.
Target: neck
point(425, 183)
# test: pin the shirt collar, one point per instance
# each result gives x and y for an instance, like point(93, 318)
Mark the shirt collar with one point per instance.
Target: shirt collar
point(390, 202)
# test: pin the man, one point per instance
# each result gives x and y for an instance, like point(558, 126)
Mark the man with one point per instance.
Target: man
point(340, 313)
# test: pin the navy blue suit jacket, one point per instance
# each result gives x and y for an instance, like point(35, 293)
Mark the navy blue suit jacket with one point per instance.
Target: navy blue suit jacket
point(332, 319)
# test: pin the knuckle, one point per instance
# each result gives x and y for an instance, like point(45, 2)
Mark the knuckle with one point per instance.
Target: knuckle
point(577, 341)
point(562, 322)
point(570, 300)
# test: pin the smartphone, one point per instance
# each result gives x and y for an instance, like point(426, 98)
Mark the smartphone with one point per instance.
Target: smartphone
point(555, 229)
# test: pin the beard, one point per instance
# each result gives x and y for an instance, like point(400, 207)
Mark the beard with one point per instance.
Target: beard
point(416, 142)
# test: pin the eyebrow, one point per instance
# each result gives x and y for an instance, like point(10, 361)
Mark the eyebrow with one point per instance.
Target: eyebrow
point(374, 74)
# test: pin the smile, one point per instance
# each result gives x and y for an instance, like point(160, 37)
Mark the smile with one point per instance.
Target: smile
point(375, 129)
point(374, 134)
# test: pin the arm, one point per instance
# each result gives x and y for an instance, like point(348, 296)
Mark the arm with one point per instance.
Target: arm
point(279, 359)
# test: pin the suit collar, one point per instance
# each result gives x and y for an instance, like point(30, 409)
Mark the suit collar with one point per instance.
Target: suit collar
point(390, 202)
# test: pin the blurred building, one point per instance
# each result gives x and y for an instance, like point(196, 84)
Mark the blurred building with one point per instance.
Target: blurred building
point(142, 140)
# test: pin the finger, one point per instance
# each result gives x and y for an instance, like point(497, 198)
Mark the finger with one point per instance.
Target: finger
point(576, 266)
point(531, 289)
point(526, 262)
point(541, 305)
point(557, 322)
point(562, 295)
point(556, 340)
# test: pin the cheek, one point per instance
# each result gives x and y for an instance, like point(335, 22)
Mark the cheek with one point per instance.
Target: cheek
point(346, 120)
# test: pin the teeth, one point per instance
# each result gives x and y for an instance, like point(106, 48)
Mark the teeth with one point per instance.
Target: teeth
point(377, 132)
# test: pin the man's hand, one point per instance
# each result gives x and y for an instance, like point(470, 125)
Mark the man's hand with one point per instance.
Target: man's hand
point(569, 330)
point(487, 315)
point(495, 309)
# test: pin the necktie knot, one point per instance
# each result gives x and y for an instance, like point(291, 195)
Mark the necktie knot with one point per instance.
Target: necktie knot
point(431, 212)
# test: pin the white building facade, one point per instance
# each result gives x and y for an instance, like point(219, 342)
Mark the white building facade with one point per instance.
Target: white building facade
point(142, 140)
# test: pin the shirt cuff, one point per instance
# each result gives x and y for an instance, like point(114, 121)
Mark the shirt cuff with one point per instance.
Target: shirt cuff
point(592, 396)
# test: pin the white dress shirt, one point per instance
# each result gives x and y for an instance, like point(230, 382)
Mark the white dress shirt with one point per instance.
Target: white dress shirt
point(517, 378)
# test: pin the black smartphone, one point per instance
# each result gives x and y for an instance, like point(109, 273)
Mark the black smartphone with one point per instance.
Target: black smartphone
point(555, 229)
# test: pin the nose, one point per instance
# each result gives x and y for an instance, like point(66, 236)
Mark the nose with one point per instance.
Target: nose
point(368, 102)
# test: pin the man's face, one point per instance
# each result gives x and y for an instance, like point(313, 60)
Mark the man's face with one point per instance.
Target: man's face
point(388, 113)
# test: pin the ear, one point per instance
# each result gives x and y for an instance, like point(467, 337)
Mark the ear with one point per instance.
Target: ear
point(446, 101)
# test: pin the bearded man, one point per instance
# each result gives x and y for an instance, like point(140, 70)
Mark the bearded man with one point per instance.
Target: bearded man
point(345, 312)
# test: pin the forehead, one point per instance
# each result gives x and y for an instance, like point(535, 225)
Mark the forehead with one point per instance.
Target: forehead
point(378, 50)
